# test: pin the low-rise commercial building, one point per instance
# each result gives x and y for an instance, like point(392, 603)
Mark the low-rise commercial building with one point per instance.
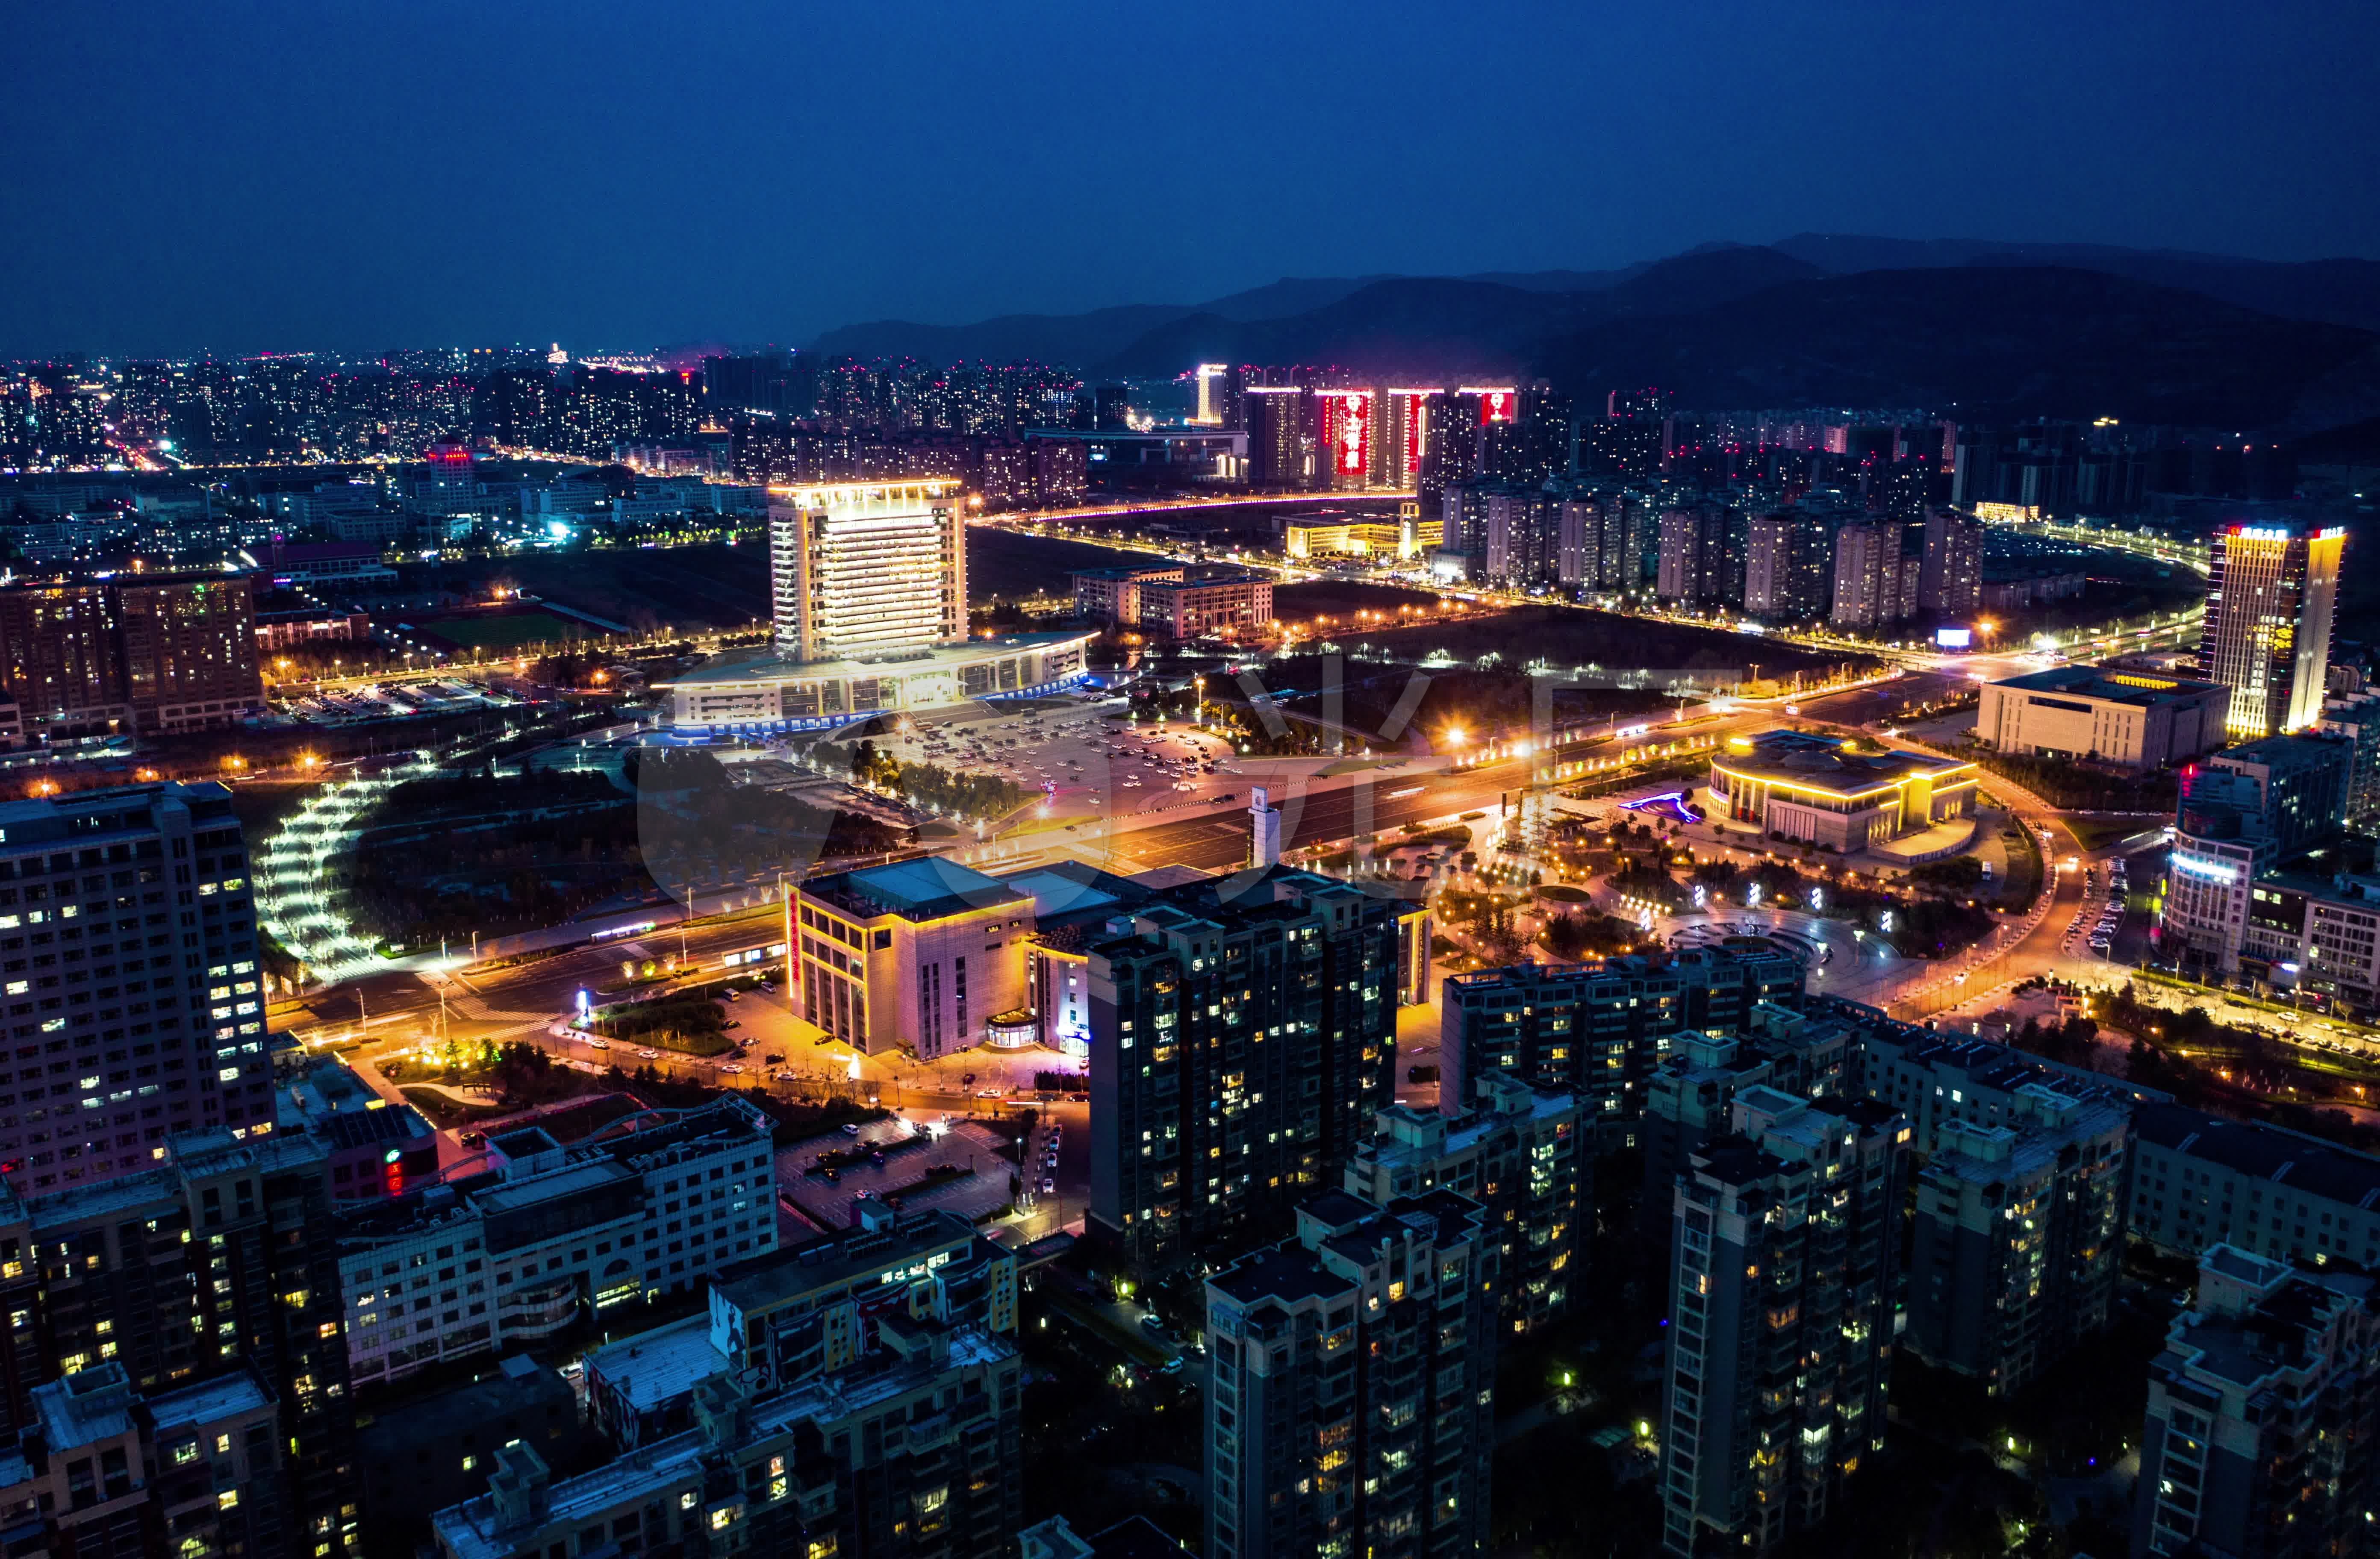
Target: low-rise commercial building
point(509, 1257)
point(2261, 1416)
point(2131, 718)
point(1216, 603)
point(1791, 784)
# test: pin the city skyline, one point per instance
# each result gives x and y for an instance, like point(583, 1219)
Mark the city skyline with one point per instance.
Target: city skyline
point(291, 180)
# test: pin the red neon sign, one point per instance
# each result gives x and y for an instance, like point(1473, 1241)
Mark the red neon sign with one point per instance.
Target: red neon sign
point(1496, 406)
point(1347, 429)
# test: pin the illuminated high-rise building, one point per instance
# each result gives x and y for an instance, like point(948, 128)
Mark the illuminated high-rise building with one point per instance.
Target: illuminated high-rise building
point(1348, 426)
point(1280, 436)
point(2267, 633)
point(866, 568)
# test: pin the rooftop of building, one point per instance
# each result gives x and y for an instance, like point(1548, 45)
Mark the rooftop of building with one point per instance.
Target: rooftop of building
point(209, 1401)
point(2281, 1330)
point(928, 887)
point(473, 1529)
point(2264, 1153)
point(833, 1260)
point(1210, 573)
point(2284, 750)
point(1801, 760)
point(651, 1368)
point(741, 666)
point(1128, 572)
point(191, 1154)
point(85, 1408)
point(2140, 690)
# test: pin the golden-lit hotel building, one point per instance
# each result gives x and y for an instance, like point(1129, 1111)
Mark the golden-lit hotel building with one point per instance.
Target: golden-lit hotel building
point(1811, 788)
point(870, 585)
point(2266, 637)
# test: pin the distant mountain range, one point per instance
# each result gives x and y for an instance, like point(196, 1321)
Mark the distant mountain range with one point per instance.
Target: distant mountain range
point(1986, 328)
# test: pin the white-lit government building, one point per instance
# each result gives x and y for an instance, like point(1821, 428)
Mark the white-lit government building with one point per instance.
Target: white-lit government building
point(869, 581)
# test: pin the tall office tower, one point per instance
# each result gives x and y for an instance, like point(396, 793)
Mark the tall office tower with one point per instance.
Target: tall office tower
point(1351, 1379)
point(2020, 1235)
point(1782, 1276)
point(1523, 526)
point(153, 1020)
point(2262, 1417)
point(916, 1455)
point(217, 1261)
point(1215, 384)
point(1347, 438)
point(1951, 577)
point(2267, 632)
point(1280, 436)
point(1599, 1029)
point(862, 569)
point(1238, 1048)
point(1788, 565)
point(1520, 1152)
point(1874, 583)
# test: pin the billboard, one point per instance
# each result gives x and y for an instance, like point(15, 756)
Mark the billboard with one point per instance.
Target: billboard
point(1497, 405)
point(1955, 638)
point(1347, 431)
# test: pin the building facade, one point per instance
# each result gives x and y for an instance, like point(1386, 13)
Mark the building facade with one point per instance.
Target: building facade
point(1783, 1269)
point(2263, 1412)
point(1239, 1049)
point(2130, 719)
point(1351, 1376)
point(1597, 1030)
point(1526, 1157)
point(2269, 599)
point(916, 1455)
point(127, 948)
point(522, 1251)
point(1793, 785)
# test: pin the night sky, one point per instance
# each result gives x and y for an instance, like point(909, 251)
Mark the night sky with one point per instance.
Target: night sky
point(245, 177)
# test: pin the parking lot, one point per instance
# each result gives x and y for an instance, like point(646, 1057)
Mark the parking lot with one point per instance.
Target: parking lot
point(1085, 761)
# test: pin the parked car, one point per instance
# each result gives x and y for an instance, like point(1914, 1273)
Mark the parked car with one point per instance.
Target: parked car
point(850, 1128)
point(595, 1044)
point(649, 1054)
point(1048, 1185)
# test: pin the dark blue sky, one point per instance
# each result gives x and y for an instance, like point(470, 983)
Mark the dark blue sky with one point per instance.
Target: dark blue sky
point(254, 175)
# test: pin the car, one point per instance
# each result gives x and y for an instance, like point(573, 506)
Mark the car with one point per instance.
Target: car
point(1153, 1325)
point(730, 1024)
point(594, 1043)
point(850, 1128)
point(729, 1067)
point(1048, 1185)
point(991, 1093)
point(473, 1139)
point(649, 1054)
point(785, 1076)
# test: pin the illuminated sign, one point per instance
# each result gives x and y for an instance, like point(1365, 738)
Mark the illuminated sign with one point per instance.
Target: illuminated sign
point(1497, 406)
point(1347, 429)
point(2205, 870)
point(1954, 638)
point(2261, 533)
